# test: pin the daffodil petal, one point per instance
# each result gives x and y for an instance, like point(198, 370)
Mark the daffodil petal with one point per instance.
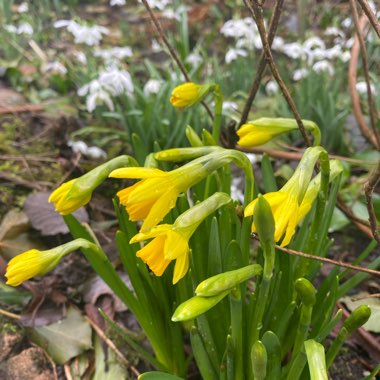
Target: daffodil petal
point(180, 268)
point(176, 245)
point(154, 232)
point(136, 172)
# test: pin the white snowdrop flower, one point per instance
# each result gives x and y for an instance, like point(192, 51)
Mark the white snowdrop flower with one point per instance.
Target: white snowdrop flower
point(232, 54)
point(171, 14)
point(99, 97)
point(271, 87)
point(10, 28)
point(349, 43)
point(117, 53)
point(316, 55)
point(80, 57)
point(158, 4)
point(278, 43)
point(236, 189)
point(323, 66)
point(116, 82)
point(117, 2)
point(293, 50)
point(300, 74)
point(23, 7)
point(54, 67)
point(345, 56)
point(152, 87)
point(314, 48)
point(229, 106)
point(361, 88)
point(334, 31)
point(95, 153)
point(89, 35)
point(25, 28)
point(253, 159)
point(194, 59)
point(156, 47)
point(346, 23)
point(78, 146)
point(334, 52)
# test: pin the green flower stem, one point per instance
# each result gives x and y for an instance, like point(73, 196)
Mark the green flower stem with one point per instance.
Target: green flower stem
point(236, 331)
point(218, 98)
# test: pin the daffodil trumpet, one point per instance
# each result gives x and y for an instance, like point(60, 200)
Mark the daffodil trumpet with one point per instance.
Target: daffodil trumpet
point(260, 131)
point(171, 241)
point(76, 193)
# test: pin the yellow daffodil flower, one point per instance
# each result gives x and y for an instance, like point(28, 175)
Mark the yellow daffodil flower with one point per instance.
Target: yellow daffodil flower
point(260, 131)
point(171, 242)
point(156, 194)
point(76, 193)
point(290, 204)
point(188, 94)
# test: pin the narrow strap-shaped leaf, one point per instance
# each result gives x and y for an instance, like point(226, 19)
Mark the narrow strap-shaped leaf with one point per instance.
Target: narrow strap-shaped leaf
point(315, 353)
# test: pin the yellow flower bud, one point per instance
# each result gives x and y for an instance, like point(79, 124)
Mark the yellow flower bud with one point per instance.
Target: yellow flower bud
point(189, 93)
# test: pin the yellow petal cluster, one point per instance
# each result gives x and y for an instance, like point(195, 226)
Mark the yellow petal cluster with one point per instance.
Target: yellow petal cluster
point(156, 194)
point(169, 243)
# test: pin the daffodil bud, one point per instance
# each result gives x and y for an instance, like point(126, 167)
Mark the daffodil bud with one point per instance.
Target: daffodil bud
point(192, 137)
point(357, 318)
point(226, 281)
point(207, 138)
point(181, 154)
point(259, 360)
point(196, 306)
point(76, 193)
point(305, 291)
point(188, 94)
point(260, 131)
point(264, 222)
point(34, 263)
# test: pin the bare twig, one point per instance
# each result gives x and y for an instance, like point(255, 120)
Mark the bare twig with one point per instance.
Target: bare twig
point(9, 314)
point(352, 78)
point(262, 62)
point(329, 261)
point(256, 12)
point(363, 50)
point(172, 51)
point(112, 346)
point(371, 17)
point(21, 182)
point(369, 186)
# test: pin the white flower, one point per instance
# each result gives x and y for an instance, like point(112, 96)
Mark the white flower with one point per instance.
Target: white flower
point(334, 52)
point(361, 88)
point(23, 7)
point(10, 28)
point(116, 81)
point(89, 35)
point(152, 87)
point(334, 31)
point(349, 43)
point(158, 4)
point(323, 66)
point(346, 56)
point(25, 28)
point(99, 97)
point(80, 57)
point(300, 74)
point(229, 106)
point(278, 43)
point(346, 23)
point(115, 53)
point(232, 54)
point(314, 48)
point(91, 152)
point(117, 2)
point(156, 47)
point(237, 189)
point(293, 50)
point(194, 59)
point(271, 87)
point(54, 67)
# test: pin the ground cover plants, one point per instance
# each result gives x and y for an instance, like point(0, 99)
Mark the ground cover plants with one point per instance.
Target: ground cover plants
point(229, 172)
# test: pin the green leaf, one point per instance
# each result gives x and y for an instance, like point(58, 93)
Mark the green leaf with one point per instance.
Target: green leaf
point(65, 339)
point(13, 296)
point(316, 358)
